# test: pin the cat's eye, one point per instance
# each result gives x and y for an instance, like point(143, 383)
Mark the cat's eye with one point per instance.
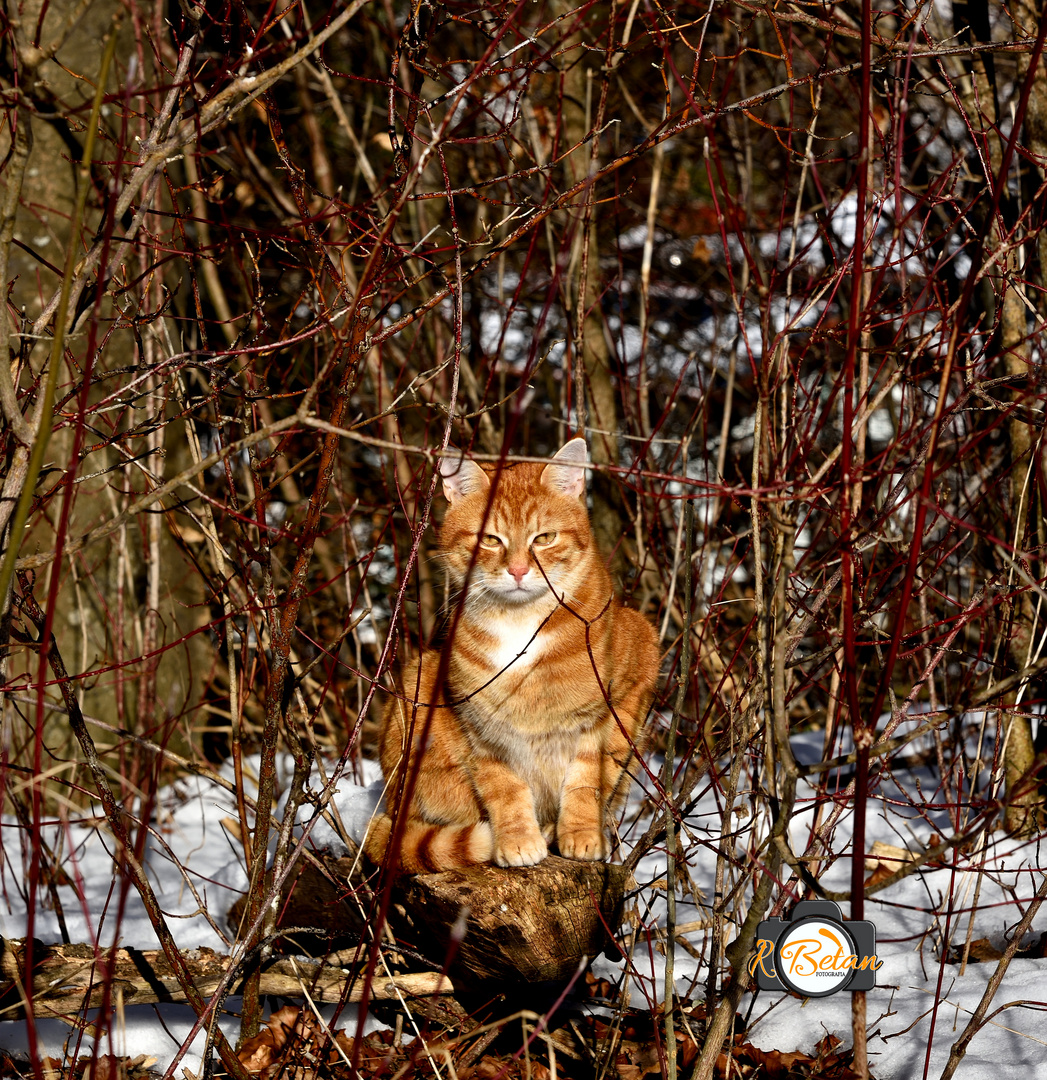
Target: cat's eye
point(544, 538)
point(489, 540)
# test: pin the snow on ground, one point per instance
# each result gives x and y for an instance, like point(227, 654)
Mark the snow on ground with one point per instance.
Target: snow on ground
point(189, 827)
point(910, 918)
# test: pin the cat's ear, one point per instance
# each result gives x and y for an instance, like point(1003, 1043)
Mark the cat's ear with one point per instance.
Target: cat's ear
point(566, 472)
point(461, 476)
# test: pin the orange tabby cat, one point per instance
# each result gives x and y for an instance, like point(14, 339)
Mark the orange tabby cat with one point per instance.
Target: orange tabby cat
point(547, 688)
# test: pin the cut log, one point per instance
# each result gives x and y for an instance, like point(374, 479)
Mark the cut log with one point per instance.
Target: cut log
point(533, 924)
point(68, 979)
point(317, 896)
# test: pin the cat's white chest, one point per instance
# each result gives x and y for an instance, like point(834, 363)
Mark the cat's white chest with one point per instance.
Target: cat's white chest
point(516, 646)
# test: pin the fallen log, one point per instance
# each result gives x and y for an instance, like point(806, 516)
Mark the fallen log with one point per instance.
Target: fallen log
point(67, 979)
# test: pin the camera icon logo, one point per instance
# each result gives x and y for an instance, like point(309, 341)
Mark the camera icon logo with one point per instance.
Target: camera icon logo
point(815, 953)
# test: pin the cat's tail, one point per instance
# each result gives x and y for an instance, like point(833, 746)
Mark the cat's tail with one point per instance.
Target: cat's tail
point(429, 849)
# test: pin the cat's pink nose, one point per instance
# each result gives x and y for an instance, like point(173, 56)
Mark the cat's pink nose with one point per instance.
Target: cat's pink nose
point(518, 572)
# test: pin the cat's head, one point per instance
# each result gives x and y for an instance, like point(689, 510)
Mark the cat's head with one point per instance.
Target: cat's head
point(534, 536)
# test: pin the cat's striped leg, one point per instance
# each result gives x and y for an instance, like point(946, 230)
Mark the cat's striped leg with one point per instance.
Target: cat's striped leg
point(580, 832)
point(595, 788)
point(621, 748)
point(517, 838)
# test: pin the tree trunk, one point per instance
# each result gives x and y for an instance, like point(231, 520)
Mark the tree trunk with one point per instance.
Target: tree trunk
point(595, 400)
point(1022, 798)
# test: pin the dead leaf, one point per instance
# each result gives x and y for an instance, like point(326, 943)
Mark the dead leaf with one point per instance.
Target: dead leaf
point(890, 854)
point(827, 1045)
point(256, 1055)
point(638, 1060)
point(983, 950)
point(881, 873)
point(261, 1050)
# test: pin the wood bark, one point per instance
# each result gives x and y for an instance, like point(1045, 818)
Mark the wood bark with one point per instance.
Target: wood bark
point(533, 924)
point(1025, 800)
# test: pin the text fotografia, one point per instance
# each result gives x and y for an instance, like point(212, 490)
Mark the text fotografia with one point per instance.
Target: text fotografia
point(814, 952)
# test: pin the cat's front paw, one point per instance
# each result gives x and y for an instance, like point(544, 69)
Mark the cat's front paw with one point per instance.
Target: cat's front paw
point(589, 845)
point(520, 849)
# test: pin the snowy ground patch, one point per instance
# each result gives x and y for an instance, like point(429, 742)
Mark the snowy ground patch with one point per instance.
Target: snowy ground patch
point(919, 1008)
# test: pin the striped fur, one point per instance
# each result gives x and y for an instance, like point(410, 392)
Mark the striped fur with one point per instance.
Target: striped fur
point(527, 740)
